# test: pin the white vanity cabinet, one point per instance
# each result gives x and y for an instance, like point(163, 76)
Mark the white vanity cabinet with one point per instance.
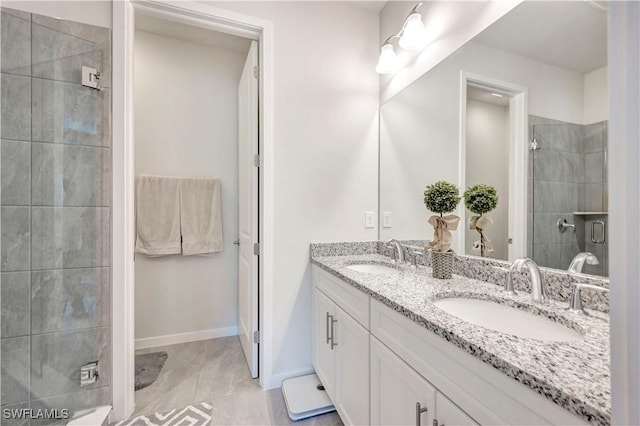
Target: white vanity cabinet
point(377, 365)
point(324, 360)
point(396, 391)
point(400, 396)
point(341, 347)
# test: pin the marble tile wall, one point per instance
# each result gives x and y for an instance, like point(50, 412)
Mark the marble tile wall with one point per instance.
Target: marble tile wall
point(55, 213)
point(567, 174)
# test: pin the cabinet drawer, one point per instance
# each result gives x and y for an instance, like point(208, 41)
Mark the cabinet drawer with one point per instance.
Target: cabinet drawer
point(349, 298)
point(480, 390)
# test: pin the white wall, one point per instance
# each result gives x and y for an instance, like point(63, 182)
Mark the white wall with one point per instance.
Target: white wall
point(449, 24)
point(624, 206)
point(487, 162)
point(325, 153)
point(186, 117)
point(93, 12)
point(596, 96)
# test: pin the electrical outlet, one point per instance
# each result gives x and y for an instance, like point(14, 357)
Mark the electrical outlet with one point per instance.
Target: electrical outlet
point(369, 220)
point(386, 219)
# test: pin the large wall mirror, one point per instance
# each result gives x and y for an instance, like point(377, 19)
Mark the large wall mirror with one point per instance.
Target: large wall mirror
point(522, 107)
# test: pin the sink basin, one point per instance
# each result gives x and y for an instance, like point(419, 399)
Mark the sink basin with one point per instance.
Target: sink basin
point(373, 268)
point(506, 319)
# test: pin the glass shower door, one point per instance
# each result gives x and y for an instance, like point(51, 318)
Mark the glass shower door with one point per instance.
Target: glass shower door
point(568, 186)
point(55, 218)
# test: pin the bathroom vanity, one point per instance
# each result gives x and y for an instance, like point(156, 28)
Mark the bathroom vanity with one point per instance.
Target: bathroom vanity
point(387, 354)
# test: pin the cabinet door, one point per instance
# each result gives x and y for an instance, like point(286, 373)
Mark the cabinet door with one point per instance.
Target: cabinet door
point(352, 370)
point(449, 414)
point(323, 355)
point(396, 389)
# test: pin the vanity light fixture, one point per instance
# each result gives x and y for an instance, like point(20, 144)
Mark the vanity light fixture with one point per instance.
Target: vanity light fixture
point(497, 95)
point(412, 36)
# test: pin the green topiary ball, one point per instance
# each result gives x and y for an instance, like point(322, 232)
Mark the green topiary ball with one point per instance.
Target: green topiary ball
point(441, 197)
point(481, 199)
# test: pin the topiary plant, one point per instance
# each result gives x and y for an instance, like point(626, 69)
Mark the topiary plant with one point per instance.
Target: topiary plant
point(442, 197)
point(481, 199)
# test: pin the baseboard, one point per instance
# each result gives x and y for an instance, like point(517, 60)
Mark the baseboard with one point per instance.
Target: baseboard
point(275, 381)
point(192, 336)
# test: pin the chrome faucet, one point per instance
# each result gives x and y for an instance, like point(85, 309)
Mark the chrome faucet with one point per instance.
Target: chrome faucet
point(538, 286)
point(393, 243)
point(414, 257)
point(578, 262)
point(575, 300)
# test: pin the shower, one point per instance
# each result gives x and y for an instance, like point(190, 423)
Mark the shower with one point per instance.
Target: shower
point(56, 201)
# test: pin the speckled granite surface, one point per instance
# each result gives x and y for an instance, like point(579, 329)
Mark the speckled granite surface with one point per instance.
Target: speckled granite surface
point(559, 283)
point(574, 375)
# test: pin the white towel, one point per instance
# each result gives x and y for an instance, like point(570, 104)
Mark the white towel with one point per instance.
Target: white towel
point(157, 215)
point(201, 215)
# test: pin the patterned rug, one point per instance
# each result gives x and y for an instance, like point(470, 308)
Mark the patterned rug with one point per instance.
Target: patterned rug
point(148, 367)
point(193, 415)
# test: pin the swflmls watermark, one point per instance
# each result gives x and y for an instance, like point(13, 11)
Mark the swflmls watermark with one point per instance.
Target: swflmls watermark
point(35, 414)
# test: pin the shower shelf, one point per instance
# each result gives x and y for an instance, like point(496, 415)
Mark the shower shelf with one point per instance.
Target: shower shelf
point(590, 213)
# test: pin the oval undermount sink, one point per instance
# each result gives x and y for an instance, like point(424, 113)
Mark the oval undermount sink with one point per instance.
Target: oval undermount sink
point(373, 268)
point(507, 319)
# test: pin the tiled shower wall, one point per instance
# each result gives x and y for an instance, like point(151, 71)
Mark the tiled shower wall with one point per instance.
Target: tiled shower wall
point(567, 174)
point(55, 217)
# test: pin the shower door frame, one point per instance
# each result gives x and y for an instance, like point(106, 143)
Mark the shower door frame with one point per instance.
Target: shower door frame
point(123, 227)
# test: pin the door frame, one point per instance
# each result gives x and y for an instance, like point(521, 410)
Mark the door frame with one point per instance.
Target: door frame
point(518, 156)
point(123, 223)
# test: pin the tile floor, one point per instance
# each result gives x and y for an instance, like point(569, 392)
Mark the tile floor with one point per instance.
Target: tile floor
point(215, 371)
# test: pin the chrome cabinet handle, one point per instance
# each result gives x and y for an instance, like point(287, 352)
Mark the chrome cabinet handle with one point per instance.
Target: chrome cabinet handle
point(327, 327)
point(593, 232)
point(419, 411)
point(333, 331)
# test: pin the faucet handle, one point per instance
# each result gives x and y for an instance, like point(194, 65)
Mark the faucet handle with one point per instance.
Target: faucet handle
point(414, 258)
point(508, 284)
point(575, 300)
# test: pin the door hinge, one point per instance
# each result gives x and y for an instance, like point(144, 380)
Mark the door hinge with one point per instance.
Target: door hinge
point(256, 249)
point(256, 160)
point(256, 336)
point(256, 71)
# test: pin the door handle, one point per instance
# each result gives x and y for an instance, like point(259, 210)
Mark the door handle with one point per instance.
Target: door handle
point(435, 423)
point(419, 411)
point(333, 331)
point(593, 232)
point(327, 327)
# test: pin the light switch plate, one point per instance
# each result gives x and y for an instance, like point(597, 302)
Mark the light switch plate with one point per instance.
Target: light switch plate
point(386, 219)
point(369, 220)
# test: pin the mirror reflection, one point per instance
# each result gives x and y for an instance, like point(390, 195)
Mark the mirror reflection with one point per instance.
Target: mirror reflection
point(523, 108)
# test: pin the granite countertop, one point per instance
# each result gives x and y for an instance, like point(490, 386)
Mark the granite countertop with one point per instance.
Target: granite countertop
point(574, 374)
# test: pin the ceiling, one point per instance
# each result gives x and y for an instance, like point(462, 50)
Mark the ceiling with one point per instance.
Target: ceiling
point(372, 6)
point(480, 95)
point(191, 34)
point(567, 34)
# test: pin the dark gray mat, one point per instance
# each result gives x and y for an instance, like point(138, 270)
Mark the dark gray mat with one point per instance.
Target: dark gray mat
point(148, 367)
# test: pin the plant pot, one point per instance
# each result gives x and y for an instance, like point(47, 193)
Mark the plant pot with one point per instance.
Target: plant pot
point(442, 264)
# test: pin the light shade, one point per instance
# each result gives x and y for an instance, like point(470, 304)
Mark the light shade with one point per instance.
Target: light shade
point(388, 61)
point(414, 35)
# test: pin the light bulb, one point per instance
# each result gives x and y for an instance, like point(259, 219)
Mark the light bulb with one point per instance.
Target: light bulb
point(414, 34)
point(387, 62)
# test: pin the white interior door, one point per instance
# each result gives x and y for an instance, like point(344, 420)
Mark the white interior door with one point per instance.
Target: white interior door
point(248, 209)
